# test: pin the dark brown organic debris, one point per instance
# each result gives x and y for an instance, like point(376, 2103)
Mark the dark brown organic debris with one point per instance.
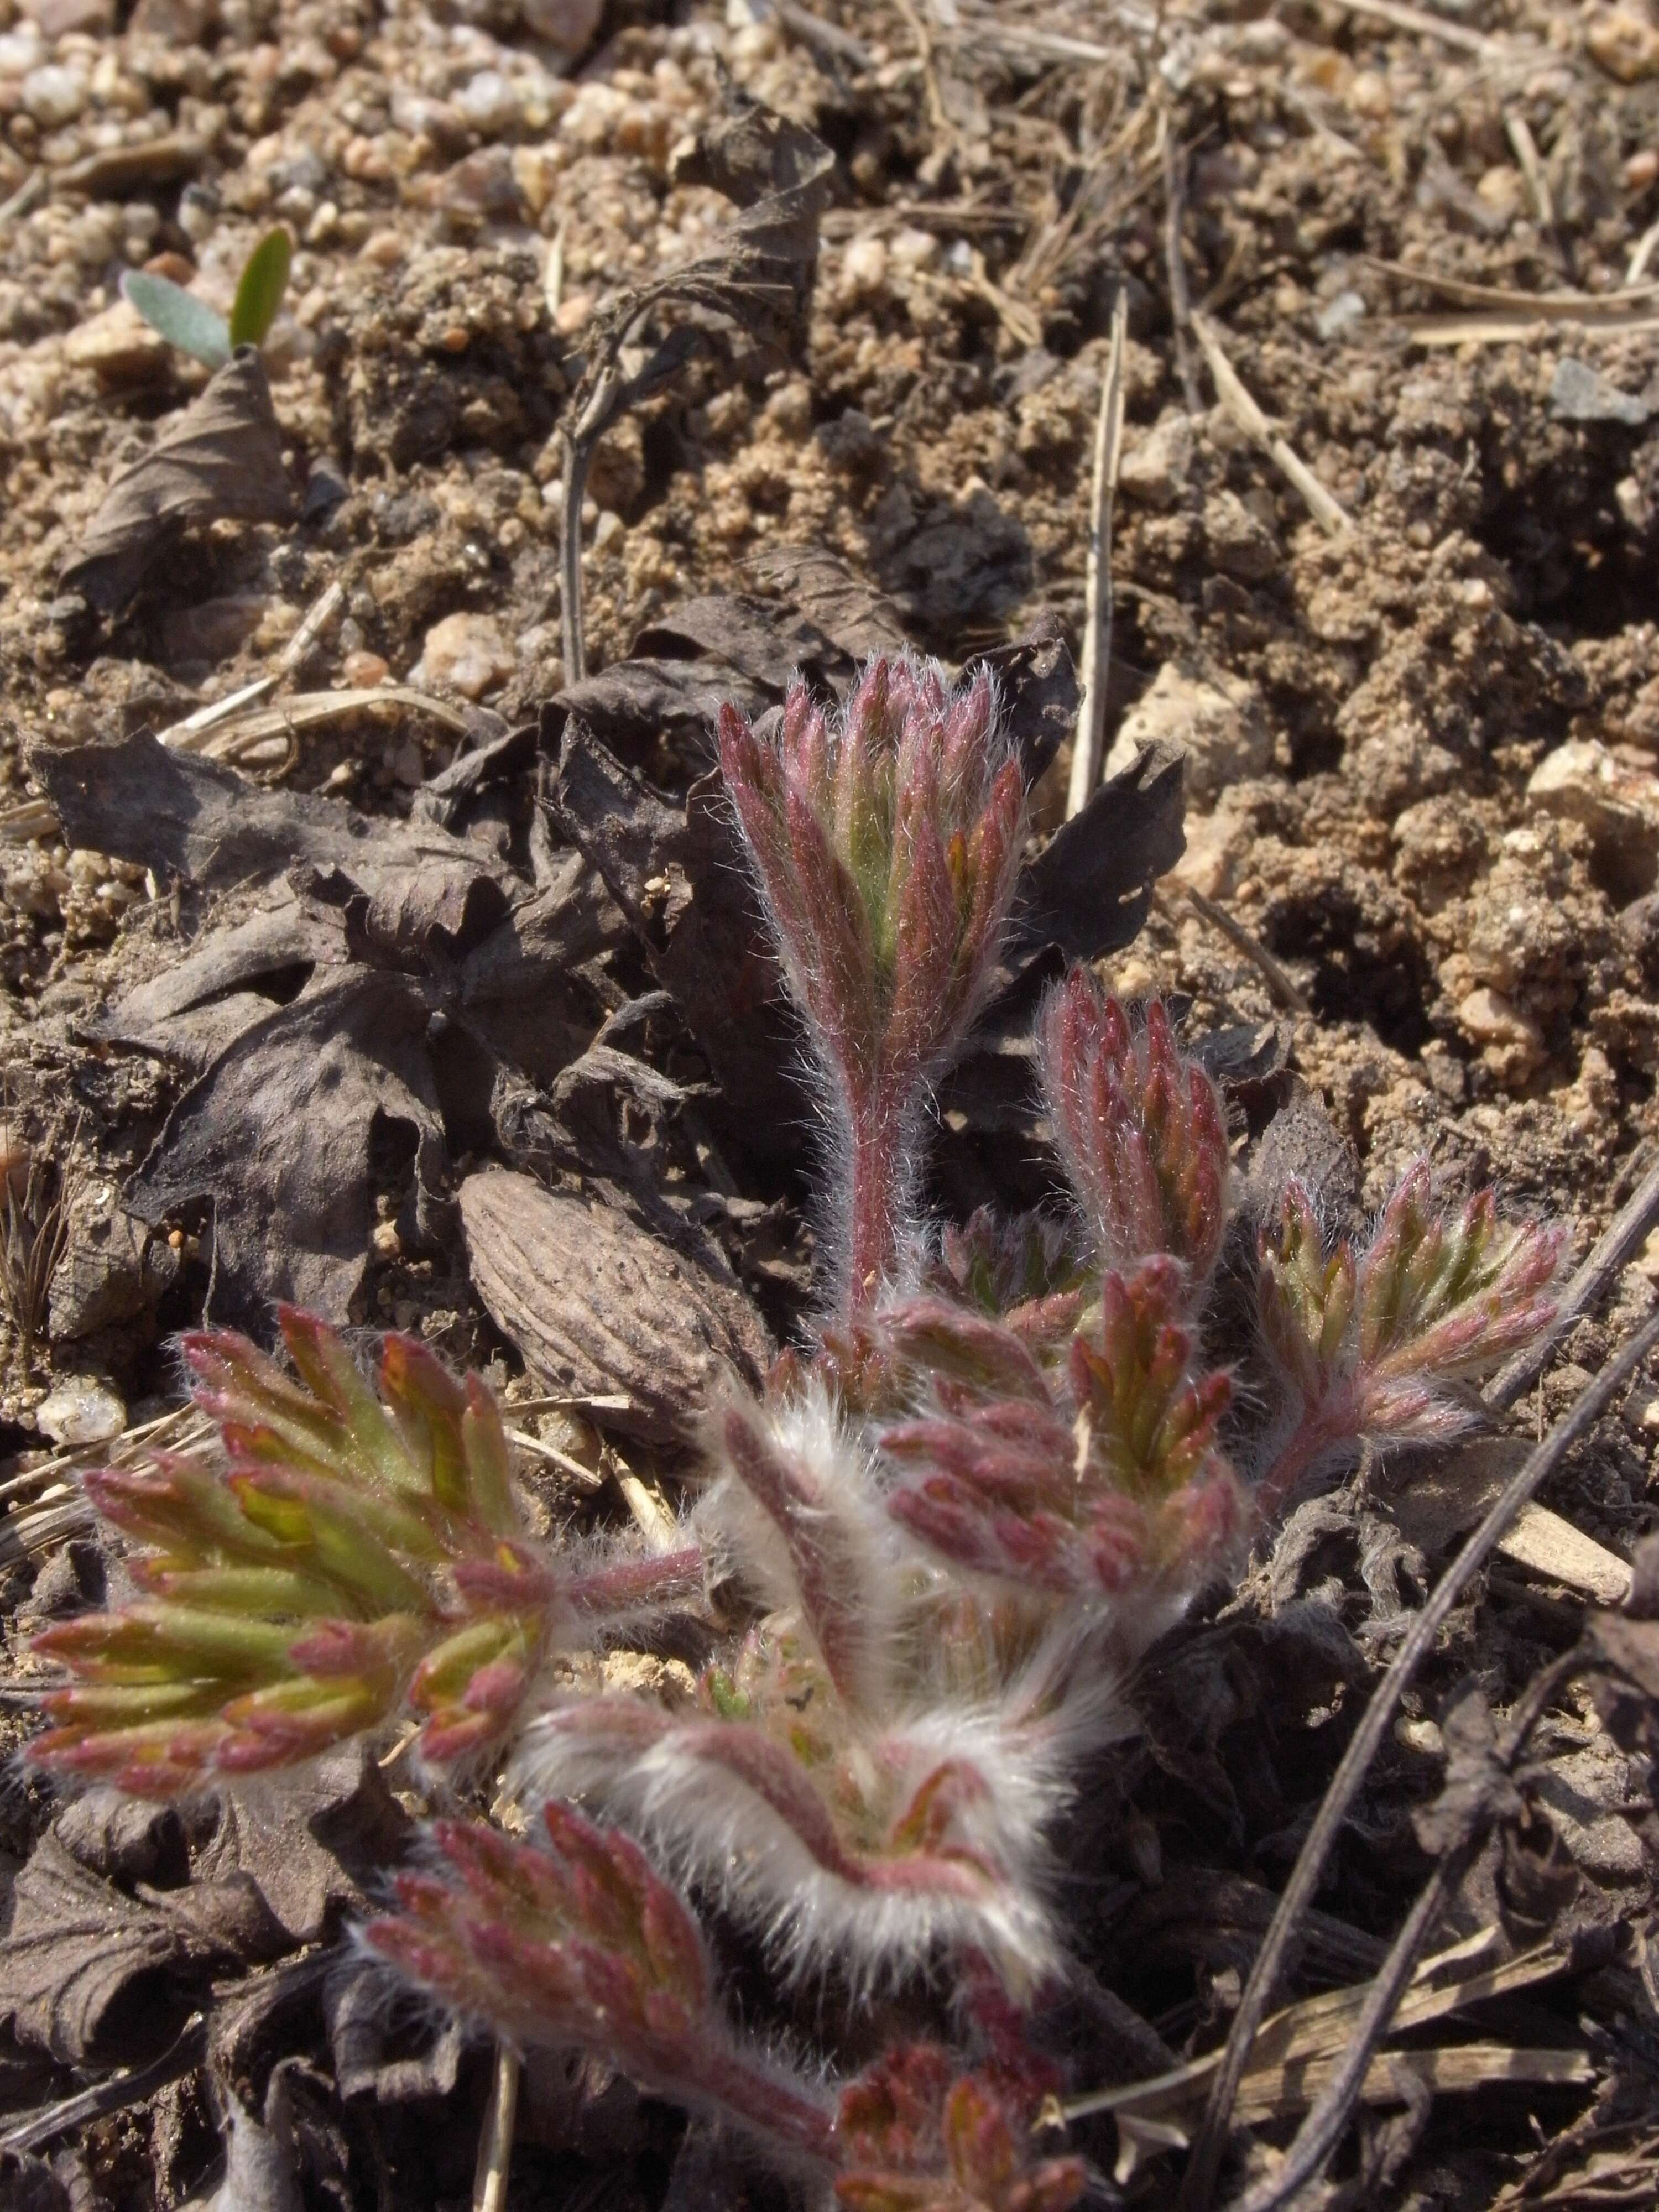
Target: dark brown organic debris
point(87, 1970)
point(275, 1137)
point(754, 278)
point(1091, 888)
point(220, 461)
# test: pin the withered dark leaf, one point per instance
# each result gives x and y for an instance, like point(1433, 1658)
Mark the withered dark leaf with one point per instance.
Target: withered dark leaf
point(222, 460)
point(601, 1309)
point(766, 642)
point(197, 820)
point(190, 1010)
point(312, 1856)
point(609, 1119)
point(757, 268)
point(123, 1838)
point(702, 934)
point(372, 2051)
point(636, 705)
point(27, 2183)
point(1477, 1792)
point(1037, 686)
point(1302, 1143)
point(444, 798)
point(753, 276)
point(1630, 1646)
point(262, 2162)
point(87, 1972)
point(1643, 1602)
point(276, 1135)
point(1090, 891)
point(862, 621)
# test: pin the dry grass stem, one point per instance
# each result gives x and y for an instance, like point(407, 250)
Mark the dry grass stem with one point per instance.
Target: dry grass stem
point(1089, 748)
point(1418, 20)
point(1199, 2184)
point(1278, 978)
point(1326, 509)
point(495, 2144)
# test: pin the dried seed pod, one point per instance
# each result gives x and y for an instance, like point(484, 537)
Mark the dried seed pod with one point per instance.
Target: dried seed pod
point(601, 1309)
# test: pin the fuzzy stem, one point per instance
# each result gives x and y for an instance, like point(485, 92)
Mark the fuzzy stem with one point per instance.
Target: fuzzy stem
point(635, 1585)
point(779, 2112)
point(875, 1194)
point(1321, 1429)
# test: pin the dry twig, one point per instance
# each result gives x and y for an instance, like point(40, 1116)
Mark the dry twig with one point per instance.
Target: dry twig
point(495, 2144)
point(1519, 134)
point(1611, 1252)
point(1278, 978)
point(36, 1192)
point(1180, 301)
point(1324, 2126)
point(1417, 19)
point(1199, 2184)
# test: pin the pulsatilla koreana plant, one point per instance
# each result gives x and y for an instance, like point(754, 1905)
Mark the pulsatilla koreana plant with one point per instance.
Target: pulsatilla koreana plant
point(1001, 1464)
point(886, 839)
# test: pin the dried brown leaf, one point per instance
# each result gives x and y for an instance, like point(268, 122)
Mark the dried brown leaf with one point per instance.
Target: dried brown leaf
point(275, 1137)
point(222, 460)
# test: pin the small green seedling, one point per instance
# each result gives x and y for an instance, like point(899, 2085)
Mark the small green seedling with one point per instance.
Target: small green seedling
point(200, 330)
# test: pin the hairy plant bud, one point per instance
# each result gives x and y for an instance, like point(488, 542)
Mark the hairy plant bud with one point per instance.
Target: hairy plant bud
point(886, 839)
point(1105, 1482)
point(355, 1556)
point(578, 1944)
point(1140, 1130)
point(918, 2136)
point(1373, 1342)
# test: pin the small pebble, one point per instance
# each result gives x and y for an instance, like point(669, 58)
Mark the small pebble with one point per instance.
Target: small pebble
point(81, 1410)
point(467, 651)
point(54, 96)
point(490, 103)
point(863, 268)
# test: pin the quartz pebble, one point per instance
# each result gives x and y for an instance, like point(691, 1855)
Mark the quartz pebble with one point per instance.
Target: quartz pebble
point(1618, 804)
point(864, 269)
point(81, 1410)
point(568, 25)
point(1512, 1042)
point(118, 346)
point(468, 652)
point(1623, 43)
point(1156, 468)
point(54, 96)
point(490, 103)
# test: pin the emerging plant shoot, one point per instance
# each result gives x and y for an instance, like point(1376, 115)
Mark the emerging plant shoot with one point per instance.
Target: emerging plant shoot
point(1001, 1465)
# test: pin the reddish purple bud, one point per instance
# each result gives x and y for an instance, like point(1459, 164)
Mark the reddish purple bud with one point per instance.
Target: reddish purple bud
point(355, 1555)
point(1139, 1129)
point(1104, 1478)
point(885, 840)
point(919, 2136)
point(578, 1944)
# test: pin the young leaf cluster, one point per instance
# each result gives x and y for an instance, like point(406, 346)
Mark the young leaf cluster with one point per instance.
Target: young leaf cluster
point(189, 323)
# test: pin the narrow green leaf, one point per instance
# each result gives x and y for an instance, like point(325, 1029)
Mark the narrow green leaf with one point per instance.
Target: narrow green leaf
point(183, 320)
point(259, 294)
